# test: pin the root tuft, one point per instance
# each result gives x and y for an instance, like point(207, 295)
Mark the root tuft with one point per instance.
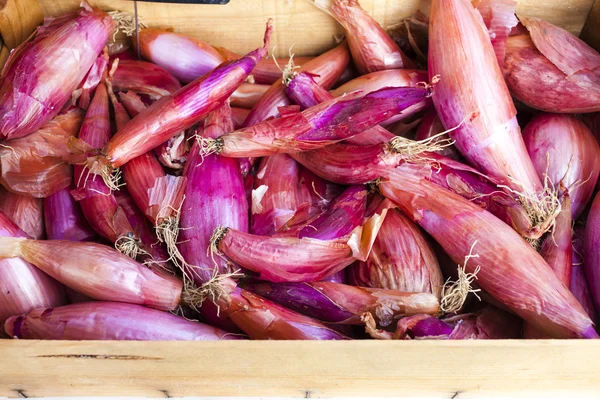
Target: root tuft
point(125, 23)
point(213, 289)
point(130, 246)
point(454, 294)
point(412, 150)
point(209, 146)
point(542, 208)
point(168, 232)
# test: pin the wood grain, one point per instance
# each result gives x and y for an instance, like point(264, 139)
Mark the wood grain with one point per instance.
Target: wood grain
point(591, 30)
point(300, 369)
point(239, 25)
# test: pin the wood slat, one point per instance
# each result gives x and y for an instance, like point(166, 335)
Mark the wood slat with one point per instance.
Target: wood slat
point(239, 25)
point(463, 369)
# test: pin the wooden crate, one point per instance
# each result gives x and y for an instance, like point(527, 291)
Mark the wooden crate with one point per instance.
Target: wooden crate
point(447, 369)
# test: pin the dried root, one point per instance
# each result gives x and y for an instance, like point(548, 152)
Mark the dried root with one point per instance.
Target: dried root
point(412, 150)
point(290, 70)
point(542, 208)
point(208, 146)
point(213, 290)
point(130, 246)
point(454, 294)
point(126, 23)
point(168, 232)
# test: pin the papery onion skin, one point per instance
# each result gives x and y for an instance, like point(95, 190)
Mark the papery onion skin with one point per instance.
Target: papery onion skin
point(23, 287)
point(26, 212)
point(214, 196)
point(186, 58)
point(323, 124)
point(314, 252)
point(36, 166)
point(328, 66)
point(64, 219)
point(510, 269)
point(144, 78)
point(351, 164)
point(401, 259)
point(109, 321)
point(564, 149)
point(377, 80)
point(553, 62)
point(157, 195)
point(472, 93)
point(248, 94)
point(281, 259)
point(40, 76)
point(97, 201)
point(345, 304)
point(91, 81)
point(262, 319)
point(372, 49)
point(305, 92)
point(97, 271)
point(174, 113)
point(591, 254)
point(284, 195)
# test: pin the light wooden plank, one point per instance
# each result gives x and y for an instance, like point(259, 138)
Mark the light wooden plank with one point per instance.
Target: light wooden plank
point(318, 369)
point(591, 30)
point(240, 24)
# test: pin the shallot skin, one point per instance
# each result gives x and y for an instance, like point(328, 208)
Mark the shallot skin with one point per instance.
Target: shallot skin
point(97, 271)
point(262, 319)
point(472, 97)
point(64, 219)
point(345, 304)
point(552, 70)
point(24, 287)
point(372, 49)
point(562, 148)
point(36, 166)
point(510, 269)
point(214, 196)
point(184, 57)
point(144, 78)
point(176, 112)
point(401, 259)
point(27, 212)
point(109, 321)
point(40, 75)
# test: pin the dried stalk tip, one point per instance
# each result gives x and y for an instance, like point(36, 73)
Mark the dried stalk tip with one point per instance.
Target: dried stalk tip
point(125, 23)
point(371, 327)
point(129, 245)
point(454, 294)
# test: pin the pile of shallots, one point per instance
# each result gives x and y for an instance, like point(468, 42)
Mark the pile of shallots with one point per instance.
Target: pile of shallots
point(382, 189)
